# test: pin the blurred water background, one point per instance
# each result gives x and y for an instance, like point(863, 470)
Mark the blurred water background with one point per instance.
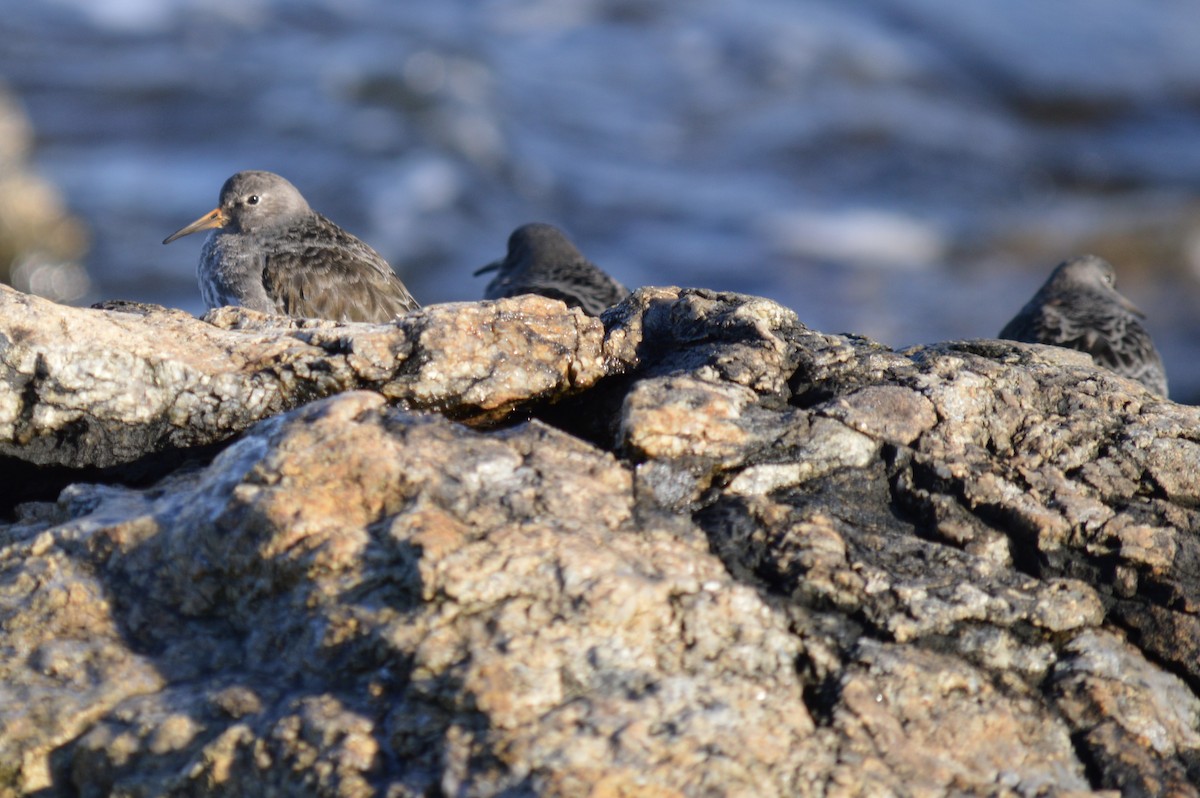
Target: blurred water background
point(910, 170)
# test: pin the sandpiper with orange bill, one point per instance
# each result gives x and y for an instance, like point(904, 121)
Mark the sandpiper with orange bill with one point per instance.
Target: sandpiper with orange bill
point(269, 251)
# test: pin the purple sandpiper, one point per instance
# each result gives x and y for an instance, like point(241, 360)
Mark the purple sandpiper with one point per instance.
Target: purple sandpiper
point(269, 251)
point(542, 260)
point(1078, 307)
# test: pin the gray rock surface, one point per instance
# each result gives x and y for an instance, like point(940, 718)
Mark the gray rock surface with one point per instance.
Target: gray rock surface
point(714, 553)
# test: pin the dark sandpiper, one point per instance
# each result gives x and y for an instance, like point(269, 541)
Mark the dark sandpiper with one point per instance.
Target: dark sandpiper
point(1078, 307)
point(269, 251)
point(542, 260)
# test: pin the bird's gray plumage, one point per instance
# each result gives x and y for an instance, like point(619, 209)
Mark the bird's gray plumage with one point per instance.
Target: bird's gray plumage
point(269, 251)
point(1079, 307)
point(542, 260)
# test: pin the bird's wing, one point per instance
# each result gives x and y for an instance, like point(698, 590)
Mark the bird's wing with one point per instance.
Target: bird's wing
point(580, 284)
point(335, 276)
point(1115, 340)
point(1121, 343)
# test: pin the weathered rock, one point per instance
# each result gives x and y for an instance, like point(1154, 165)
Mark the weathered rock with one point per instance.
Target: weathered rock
point(783, 563)
point(100, 387)
point(501, 624)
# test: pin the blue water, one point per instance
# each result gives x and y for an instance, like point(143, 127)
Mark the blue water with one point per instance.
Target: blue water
point(906, 169)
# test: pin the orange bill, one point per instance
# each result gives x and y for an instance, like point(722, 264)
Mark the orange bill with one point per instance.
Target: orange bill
point(210, 220)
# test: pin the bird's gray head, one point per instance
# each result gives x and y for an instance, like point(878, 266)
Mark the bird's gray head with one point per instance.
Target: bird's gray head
point(251, 202)
point(255, 201)
point(532, 244)
point(540, 240)
point(1088, 274)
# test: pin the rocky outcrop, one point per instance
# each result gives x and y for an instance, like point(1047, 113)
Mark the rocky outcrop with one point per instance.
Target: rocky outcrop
point(109, 385)
point(698, 549)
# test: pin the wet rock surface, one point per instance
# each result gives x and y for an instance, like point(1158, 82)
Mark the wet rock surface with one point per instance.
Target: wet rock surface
point(696, 549)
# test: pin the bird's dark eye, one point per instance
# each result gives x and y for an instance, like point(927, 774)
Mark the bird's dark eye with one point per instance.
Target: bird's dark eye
point(252, 199)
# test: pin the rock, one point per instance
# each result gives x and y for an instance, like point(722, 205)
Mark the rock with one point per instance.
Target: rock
point(698, 550)
point(473, 619)
point(107, 386)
